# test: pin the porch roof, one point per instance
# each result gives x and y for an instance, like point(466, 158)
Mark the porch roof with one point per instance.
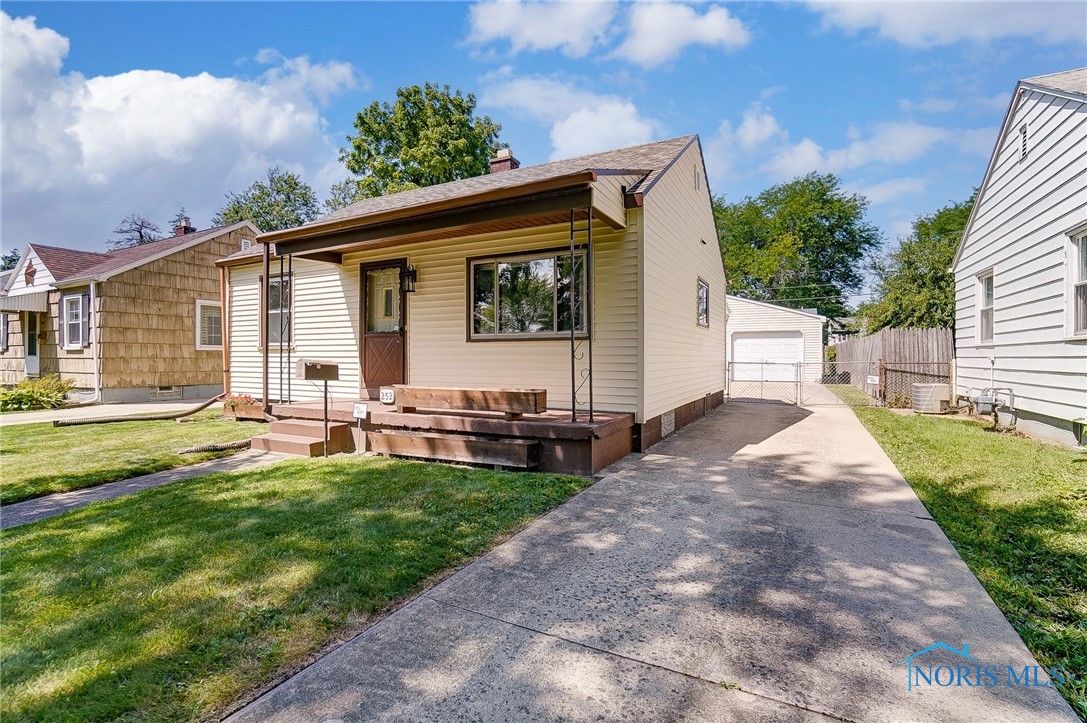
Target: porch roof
point(517, 198)
point(37, 301)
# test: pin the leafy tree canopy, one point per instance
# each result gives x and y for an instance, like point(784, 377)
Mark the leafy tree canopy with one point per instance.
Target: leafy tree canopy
point(429, 135)
point(134, 230)
point(284, 200)
point(915, 287)
point(800, 244)
point(9, 260)
point(342, 195)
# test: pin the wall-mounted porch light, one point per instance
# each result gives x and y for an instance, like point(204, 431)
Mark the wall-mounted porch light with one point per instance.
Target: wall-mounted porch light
point(408, 277)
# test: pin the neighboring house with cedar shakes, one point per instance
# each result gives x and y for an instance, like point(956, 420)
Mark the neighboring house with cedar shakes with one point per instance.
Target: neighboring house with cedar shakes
point(597, 279)
point(1021, 268)
point(133, 324)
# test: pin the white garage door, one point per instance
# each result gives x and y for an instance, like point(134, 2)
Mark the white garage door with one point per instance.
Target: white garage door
point(770, 355)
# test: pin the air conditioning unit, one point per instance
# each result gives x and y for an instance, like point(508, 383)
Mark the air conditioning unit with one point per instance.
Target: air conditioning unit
point(931, 398)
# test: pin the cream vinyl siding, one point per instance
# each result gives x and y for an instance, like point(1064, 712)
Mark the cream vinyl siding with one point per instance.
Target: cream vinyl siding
point(682, 360)
point(1020, 231)
point(326, 321)
point(750, 317)
point(608, 198)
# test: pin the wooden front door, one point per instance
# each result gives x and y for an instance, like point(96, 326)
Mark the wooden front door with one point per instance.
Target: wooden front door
point(383, 327)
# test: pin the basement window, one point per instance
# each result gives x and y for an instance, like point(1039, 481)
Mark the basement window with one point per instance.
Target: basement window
point(527, 296)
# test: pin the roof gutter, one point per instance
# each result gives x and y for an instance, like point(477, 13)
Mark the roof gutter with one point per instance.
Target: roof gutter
point(449, 204)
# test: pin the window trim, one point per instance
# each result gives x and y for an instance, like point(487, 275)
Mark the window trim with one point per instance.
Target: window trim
point(67, 322)
point(535, 254)
point(1077, 278)
point(199, 325)
point(978, 335)
point(289, 328)
point(702, 284)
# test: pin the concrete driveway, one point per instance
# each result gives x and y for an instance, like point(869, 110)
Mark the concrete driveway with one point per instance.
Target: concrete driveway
point(767, 563)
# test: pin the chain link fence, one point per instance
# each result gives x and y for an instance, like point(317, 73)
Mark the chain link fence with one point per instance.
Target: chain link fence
point(854, 383)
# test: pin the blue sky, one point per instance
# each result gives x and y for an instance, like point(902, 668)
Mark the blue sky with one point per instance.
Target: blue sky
point(115, 108)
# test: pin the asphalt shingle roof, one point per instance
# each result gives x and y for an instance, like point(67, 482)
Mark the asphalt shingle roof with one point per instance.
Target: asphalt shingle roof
point(1070, 81)
point(650, 158)
point(65, 264)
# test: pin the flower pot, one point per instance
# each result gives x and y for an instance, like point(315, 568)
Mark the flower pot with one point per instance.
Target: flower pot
point(245, 411)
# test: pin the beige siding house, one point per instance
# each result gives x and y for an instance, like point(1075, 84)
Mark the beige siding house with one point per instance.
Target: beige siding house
point(468, 285)
point(1021, 267)
point(128, 325)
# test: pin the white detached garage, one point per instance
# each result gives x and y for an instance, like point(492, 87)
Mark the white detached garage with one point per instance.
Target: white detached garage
point(767, 342)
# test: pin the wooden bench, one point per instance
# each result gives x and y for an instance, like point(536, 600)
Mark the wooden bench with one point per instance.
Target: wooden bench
point(514, 404)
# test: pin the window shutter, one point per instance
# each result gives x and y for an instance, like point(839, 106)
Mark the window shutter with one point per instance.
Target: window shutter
point(4, 332)
point(61, 318)
point(86, 320)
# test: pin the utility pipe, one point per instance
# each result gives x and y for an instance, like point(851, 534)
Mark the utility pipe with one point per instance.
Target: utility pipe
point(136, 417)
point(94, 330)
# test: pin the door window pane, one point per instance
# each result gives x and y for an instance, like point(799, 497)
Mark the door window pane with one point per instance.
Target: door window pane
point(31, 333)
point(383, 300)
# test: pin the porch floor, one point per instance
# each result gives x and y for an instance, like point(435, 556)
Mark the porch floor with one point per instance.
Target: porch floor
point(573, 447)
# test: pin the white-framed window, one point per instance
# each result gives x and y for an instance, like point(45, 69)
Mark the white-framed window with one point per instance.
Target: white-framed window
point(1079, 285)
point(72, 318)
point(986, 298)
point(527, 296)
point(280, 310)
point(703, 304)
point(209, 325)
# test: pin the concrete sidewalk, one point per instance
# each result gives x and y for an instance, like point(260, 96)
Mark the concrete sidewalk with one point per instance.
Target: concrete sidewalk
point(100, 410)
point(39, 508)
point(767, 563)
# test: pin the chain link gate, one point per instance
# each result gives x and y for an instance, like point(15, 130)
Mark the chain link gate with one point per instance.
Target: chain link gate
point(860, 383)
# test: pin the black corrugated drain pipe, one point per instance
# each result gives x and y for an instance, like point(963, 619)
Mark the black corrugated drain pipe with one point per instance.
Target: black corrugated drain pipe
point(225, 447)
point(137, 417)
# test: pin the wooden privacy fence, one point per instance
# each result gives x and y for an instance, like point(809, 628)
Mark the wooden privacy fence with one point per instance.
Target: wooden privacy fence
point(904, 357)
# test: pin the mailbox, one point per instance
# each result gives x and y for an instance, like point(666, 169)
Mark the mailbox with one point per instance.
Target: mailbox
point(313, 370)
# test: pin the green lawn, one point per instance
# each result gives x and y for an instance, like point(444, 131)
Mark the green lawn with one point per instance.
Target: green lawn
point(38, 459)
point(168, 604)
point(1016, 510)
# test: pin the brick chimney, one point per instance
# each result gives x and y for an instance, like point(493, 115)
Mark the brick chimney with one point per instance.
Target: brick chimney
point(504, 161)
point(183, 227)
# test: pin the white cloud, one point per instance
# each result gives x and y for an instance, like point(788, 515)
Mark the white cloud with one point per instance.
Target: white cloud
point(891, 190)
point(970, 103)
point(659, 31)
point(927, 24)
point(572, 27)
point(80, 153)
point(887, 144)
point(730, 147)
point(581, 121)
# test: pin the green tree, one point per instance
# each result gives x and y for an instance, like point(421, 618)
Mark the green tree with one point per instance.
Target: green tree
point(429, 135)
point(343, 194)
point(9, 260)
point(800, 244)
point(134, 230)
point(283, 201)
point(915, 287)
point(178, 218)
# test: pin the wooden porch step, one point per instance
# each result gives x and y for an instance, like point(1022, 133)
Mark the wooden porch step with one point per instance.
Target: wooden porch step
point(519, 453)
point(339, 433)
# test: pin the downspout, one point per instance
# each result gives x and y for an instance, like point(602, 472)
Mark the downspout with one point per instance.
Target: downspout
point(95, 350)
point(264, 323)
point(224, 310)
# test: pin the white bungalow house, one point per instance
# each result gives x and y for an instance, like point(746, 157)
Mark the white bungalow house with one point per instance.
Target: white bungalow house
point(596, 281)
point(1021, 268)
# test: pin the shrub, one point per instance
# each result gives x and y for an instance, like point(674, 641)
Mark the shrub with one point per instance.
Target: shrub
point(238, 400)
point(40, 393)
